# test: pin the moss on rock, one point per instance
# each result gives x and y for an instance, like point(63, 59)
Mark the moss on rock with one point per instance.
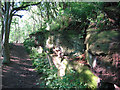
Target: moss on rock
point(99, 42)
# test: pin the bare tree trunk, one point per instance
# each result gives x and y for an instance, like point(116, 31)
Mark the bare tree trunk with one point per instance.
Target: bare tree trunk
point(1, 14)
point(6, 28)
point(1, 30)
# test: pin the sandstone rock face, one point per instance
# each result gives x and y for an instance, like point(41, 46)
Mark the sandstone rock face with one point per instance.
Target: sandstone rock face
point(103, 54)
point(66, 49)
point(70, 42)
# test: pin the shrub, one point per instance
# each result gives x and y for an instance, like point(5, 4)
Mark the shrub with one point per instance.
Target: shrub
point(29, 43)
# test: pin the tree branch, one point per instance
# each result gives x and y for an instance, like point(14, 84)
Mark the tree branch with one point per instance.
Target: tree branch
point(22, 7)
point(18, 15)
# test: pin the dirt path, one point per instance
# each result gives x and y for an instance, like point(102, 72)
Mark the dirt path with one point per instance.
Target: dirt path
point(19, 73)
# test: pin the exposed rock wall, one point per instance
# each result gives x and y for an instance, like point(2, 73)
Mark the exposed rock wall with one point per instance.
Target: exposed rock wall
point(66, 48)
point(103, 54)
point(69, 41)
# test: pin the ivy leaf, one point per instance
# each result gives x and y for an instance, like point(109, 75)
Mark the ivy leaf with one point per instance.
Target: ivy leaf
point(50, 77)
point(48, 82)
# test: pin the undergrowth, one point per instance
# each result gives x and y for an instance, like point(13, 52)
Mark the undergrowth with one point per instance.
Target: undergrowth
point(50, 78)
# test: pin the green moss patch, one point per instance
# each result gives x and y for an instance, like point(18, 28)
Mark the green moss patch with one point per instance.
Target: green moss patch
point(83, 74)
point(100, 42)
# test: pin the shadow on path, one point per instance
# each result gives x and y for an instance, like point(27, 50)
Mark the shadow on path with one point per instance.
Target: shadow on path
point(19, 73)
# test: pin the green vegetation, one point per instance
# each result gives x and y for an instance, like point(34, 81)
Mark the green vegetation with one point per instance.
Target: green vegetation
point(50, 76)
point(70, 26)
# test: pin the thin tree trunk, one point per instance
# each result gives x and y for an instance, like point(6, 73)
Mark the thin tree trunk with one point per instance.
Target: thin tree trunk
point(16, 36)
point(19, 39)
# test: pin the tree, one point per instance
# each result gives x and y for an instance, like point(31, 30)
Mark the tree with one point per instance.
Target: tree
point(0, 32)
point(8, 10)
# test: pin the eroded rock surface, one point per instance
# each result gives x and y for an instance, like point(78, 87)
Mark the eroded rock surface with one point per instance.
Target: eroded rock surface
point(66, 49)
point(103, 54)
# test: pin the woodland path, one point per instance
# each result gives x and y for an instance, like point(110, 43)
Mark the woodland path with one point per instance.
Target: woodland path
point(19, 73)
